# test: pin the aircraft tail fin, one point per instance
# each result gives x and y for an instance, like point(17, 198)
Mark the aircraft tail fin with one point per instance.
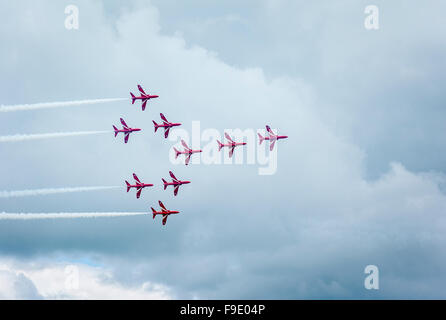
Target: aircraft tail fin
point(128, 185)
point(153, 212)
point(156, 125)
point(165, 185)
point(133, 98)
point(177, 153)
point(261, 138)
point(116, 130)
point(220, 145)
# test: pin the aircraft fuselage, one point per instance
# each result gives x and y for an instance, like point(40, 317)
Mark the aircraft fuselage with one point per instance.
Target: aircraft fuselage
point(142, 185)
point(146, 97)
point(169, 125)
point(276, 138)
point(178, 183)
point(128, 130)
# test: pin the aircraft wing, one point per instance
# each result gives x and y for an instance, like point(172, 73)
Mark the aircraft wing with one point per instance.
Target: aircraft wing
point(271, 146)
point(228, 137)
point(138, 193)
point(175, 189)
point(271, 133)
point(126, 137)
point(164, 118)
point(166, 132)
point(165, 219)
point(163, 208)
point(231, 152)
point(144, 105)
point(124, 124)
point(268, 129)
point(173, 176)
point(188, 159)
point(136, 178)
point(141, 90)
point(185, 145)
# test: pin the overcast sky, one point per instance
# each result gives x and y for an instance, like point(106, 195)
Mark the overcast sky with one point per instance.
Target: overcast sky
point(359, 181)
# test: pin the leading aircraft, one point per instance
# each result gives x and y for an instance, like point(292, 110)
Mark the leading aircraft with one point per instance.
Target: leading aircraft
point(273, 138)
point(175, 183)
point(231, 144)
point(166, 125)
point(187, 151)
point(138, 186)
point(144, 97)
point(164, 212)
point(125, 129)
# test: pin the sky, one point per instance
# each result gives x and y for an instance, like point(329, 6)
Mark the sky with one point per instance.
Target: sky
point(360, 180)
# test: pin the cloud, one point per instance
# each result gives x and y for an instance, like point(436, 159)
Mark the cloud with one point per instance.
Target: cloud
point(306, 232)
point(386, 96)
point(15, 285)
point(43, 279)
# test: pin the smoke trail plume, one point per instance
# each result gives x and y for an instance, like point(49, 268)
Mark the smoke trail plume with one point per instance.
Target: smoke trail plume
point(66, 215)
point(35, 106)
point(24, 137)
point(38, 192)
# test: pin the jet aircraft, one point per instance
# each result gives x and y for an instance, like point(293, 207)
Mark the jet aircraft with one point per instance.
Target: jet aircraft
point(138, 186)
point(230, 145)
point(175, 183)
point(164, 212)
point(166, 125)
point(187, 151)
point(273, 138)
point(125, 129)
point(144, 97)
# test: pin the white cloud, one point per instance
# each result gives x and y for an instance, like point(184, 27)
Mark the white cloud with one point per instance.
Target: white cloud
point(16, 285)
point(52, 279)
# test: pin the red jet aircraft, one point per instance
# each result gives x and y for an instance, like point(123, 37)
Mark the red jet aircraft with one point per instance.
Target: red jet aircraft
point(126, 129)
point(273, 138)
point(175, 183)
point(187, 151)
point(144, 97)
point(231, 144)
point(166, 125)
point(138, 186)
point(164, 212)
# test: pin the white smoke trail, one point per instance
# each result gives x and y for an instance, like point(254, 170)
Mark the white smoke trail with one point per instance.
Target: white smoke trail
point(38, 192)
point(66, 215)
point(23, 137)
point(21, 107)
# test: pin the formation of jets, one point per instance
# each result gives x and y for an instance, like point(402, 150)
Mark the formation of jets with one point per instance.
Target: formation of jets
point(188, 152)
